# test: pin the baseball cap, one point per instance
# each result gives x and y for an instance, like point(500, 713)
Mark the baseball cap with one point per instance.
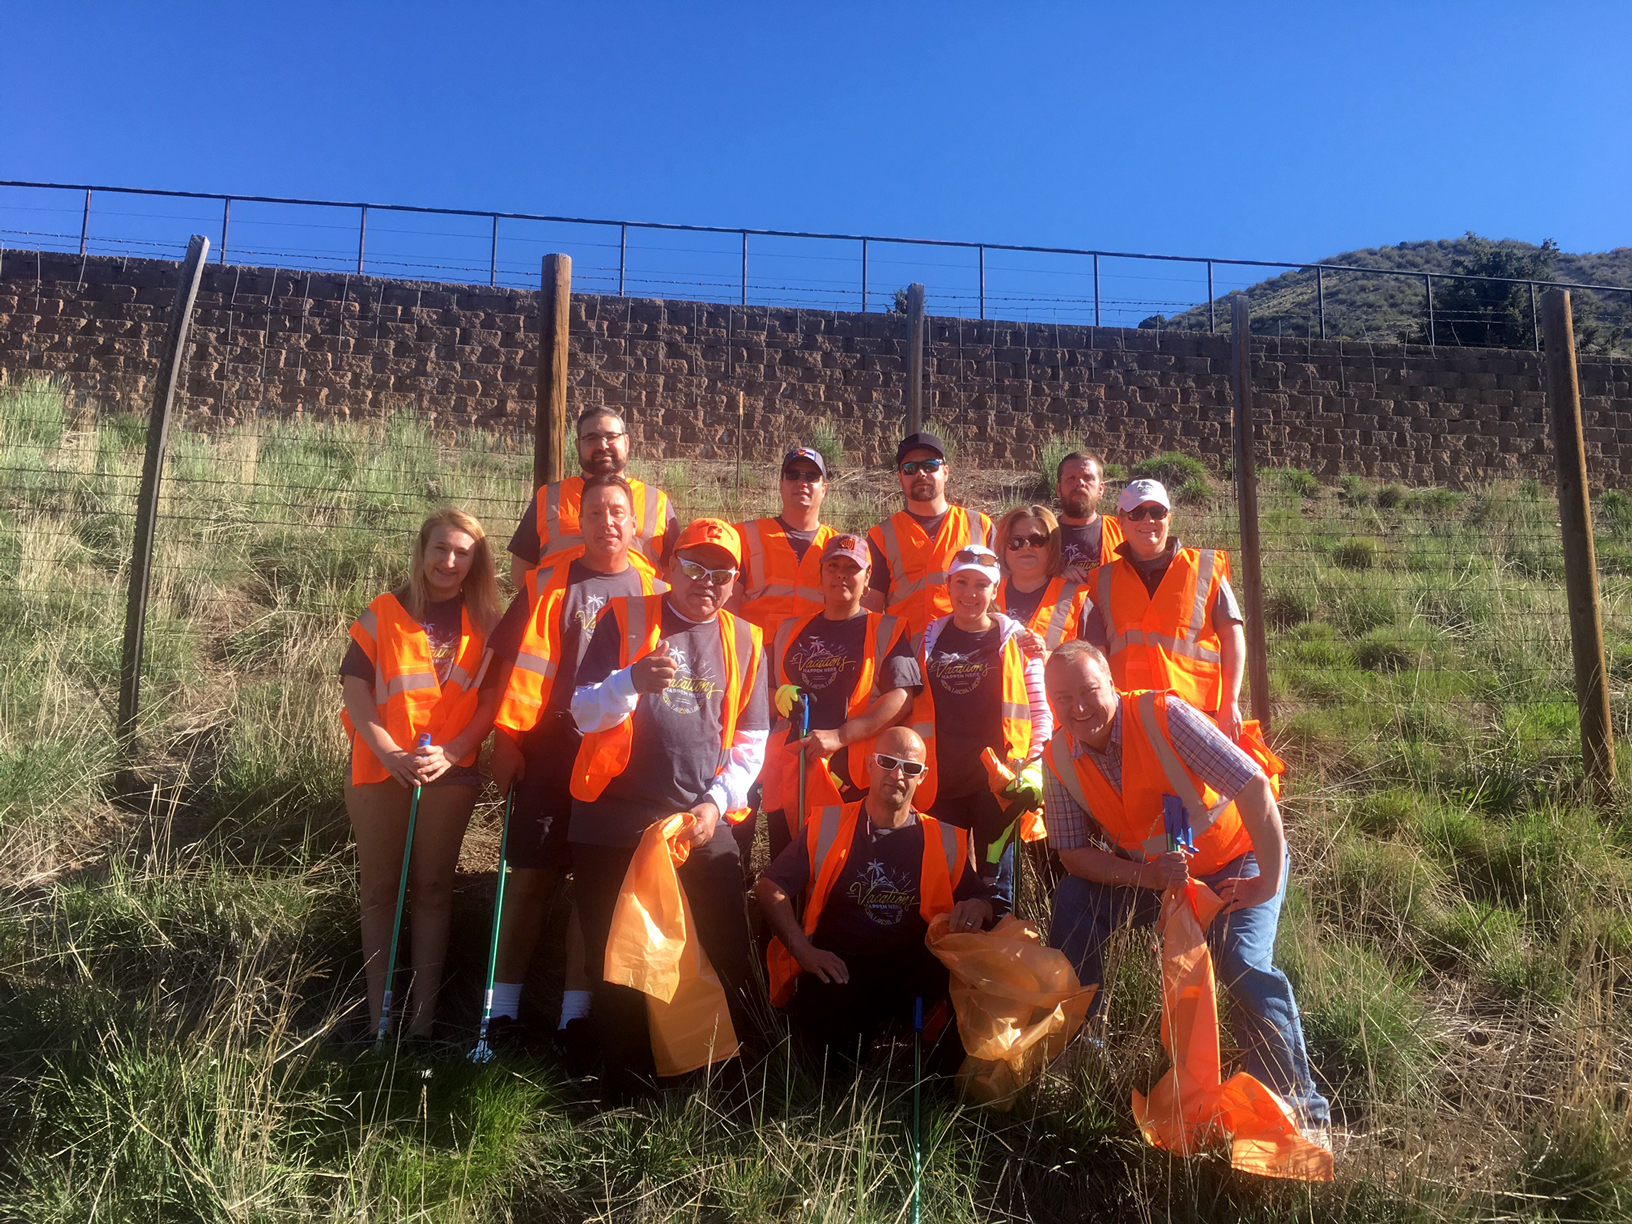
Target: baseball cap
point(712, 533)
point(1139, 492)
point(979, 558)
point(920, 441)
point(807, 453)
point(847, 545)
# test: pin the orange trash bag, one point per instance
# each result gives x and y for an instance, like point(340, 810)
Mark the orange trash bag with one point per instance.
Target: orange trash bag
point(1190, 1106)
point(650, 949)
point(1017, 1003)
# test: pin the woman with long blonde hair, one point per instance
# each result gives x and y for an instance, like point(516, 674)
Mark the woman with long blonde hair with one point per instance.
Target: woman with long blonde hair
point(417, 668)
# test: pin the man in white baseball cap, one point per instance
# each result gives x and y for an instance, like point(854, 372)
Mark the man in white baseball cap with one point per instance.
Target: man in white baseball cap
point(1165, 615)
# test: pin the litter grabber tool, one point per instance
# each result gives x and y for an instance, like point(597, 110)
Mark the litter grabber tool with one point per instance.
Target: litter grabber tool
point(402, 896)
point(484, 1052)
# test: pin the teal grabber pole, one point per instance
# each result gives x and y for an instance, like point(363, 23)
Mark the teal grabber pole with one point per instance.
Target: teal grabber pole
point(484, 1052)
point(917, 1115)
point(402, 896)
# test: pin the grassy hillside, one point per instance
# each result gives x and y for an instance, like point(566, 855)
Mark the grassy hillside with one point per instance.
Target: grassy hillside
point(179, 982)
point(1395, 308)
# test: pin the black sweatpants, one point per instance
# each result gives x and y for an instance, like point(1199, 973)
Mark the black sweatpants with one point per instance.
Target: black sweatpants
point(839, 1022)
point(712, 879)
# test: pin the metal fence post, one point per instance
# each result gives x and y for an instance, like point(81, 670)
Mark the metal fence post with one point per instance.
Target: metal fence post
point(864, 276)
point(623, 255)
point(1212, 319)
point(493, 256)
point(85, 222)
point(362, 230)
point(1535, 317)
point(983, 282)
point(550, 421)
point(745, 267)
point(1320, 297)
point(915, 358)
point(1246, 491)
point(1428, 284)
point(1580, 558)
point(226, 216)
point(1096, 290)
point(147, 503)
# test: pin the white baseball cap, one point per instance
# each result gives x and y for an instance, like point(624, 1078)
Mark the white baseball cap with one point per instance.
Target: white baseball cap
point(980, 559)
point(1139, 492)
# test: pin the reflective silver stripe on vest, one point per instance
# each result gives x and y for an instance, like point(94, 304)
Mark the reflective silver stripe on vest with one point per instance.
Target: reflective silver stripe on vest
point(1010, 709)
point(881, 645)
point(536, 663)
point(1106, 575)
point(1169, 643)
point(648, 527)
point(408, 682)
point(827, 831)
point(553, 540)
point(369, 622)
point(754, 563)
point(1201, 816)
point(1205, 561)
point(458, 678)
point(949, 846)
point(900, 586)
point(1059, 756)
point(1059, 617)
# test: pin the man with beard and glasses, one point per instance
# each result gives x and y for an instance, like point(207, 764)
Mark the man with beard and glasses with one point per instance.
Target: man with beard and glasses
point(549, 530)
point(1087, 538)
point(913, 548)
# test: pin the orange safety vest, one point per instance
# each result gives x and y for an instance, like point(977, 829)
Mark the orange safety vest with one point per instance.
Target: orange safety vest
point(918, 564)
point(408, 698)
point(776, 584)
point(1058, 615)
point(1167, 642)
point(557, 505)
point(533, 676)
point(781, 774)
point(603, 755)
point(1015, 707)
point(1151, 768)
point(1110, 537)
point(828, 838)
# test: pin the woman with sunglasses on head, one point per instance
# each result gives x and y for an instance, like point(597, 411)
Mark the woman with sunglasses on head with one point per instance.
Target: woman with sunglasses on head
point(1033, 591)
point(1165, 615)
point(983, 688)
point(418, 667)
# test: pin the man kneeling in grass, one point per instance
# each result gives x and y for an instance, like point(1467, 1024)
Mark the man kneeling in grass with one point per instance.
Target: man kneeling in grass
point(871, 875)
point(1115, 762)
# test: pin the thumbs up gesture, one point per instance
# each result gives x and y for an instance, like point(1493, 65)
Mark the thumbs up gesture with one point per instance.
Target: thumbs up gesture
point(654, 672)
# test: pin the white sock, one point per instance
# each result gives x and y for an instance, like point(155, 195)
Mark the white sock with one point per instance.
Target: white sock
point(574, 1005)
point(506, 999)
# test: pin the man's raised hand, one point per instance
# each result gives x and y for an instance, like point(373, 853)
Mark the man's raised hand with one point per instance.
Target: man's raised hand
point(655, 672)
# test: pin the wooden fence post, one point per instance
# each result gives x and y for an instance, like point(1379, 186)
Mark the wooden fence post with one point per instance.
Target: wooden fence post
point(915, 358)
point(550, 422)
point(147, 504)
point(1246, 489)
point(1580, 558)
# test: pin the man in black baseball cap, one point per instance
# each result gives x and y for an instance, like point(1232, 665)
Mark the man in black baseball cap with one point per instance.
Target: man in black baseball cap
point(912, 549)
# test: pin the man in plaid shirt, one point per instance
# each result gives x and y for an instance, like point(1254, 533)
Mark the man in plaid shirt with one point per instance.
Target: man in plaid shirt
point(1116, 760)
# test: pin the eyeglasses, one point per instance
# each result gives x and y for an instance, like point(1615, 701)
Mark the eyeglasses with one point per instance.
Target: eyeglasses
point(913, 466)
point(973, 556)
point(1155, 513)
point(889, 764)
point(802, 476)
point(1027, 541)
point(700, 573)
point(601, 439)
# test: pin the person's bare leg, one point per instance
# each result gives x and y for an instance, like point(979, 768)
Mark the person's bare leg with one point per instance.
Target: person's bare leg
point(379, 822)
point(444, 811)
point(526, 898)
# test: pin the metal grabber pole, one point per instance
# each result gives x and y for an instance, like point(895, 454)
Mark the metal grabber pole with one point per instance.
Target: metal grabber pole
point(484, 1052)
point(402, 896)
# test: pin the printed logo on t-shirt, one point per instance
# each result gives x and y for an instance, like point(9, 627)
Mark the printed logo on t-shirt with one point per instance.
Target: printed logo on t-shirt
point(1075, 555)
point(587, 614)
point(958, 673)
point(816, 663)
point(689, 690)
point(885, 901)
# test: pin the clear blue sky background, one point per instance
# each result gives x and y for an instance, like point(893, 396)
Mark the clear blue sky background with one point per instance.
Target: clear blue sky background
point(1291, 131)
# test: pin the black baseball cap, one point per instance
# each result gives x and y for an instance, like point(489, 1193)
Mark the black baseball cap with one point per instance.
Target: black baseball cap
point(808, 453)
point(920, 441)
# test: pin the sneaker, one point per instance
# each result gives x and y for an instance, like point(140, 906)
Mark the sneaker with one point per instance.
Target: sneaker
point(506, 1033)
point(577, 1047)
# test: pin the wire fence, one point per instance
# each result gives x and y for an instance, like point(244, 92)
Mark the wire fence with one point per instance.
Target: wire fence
point(808, 270)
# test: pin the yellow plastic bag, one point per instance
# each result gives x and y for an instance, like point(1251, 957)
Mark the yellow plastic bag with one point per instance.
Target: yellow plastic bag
point(650, 949)
point(1190, 1105)
point(1017, 1003)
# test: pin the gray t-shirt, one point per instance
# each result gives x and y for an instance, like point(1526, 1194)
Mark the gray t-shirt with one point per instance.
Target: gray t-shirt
point(675, 747)
point(586, 594)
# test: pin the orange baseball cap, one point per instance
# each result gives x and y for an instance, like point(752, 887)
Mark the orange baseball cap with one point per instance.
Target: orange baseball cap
point(712, 533)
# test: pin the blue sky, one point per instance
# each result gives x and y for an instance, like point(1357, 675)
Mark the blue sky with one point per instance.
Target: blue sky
point(1271, 131)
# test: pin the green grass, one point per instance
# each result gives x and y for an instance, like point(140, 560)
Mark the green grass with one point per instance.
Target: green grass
point(175, 980)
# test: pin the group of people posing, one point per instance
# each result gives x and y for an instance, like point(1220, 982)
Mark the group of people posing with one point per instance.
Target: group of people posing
point(927, 686)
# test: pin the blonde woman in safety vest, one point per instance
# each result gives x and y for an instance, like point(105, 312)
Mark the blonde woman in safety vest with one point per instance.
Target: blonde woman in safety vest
point(1165, 616)
point(1033, 591)
point(912, 549)
point(418, 665)
point(550, 532)
point(983, 688)
point(1123, 769)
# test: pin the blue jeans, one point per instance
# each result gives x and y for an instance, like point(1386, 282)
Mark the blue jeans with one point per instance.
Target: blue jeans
point(1263, 1014)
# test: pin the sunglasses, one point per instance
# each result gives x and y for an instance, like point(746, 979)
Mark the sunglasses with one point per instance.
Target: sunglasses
point(700, 573)
point(1138, 513)
point(913, 466)
point(973, 556)
point(889, 764)
point(802, 475)
point(1027, 541)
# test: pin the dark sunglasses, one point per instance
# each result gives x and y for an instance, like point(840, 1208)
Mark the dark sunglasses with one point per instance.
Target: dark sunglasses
point(1158, 513)
point(889, 764)
point(913, 466)
point(1027, 541)
point(698, 573)
point(802, 475)
point(972, 556)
